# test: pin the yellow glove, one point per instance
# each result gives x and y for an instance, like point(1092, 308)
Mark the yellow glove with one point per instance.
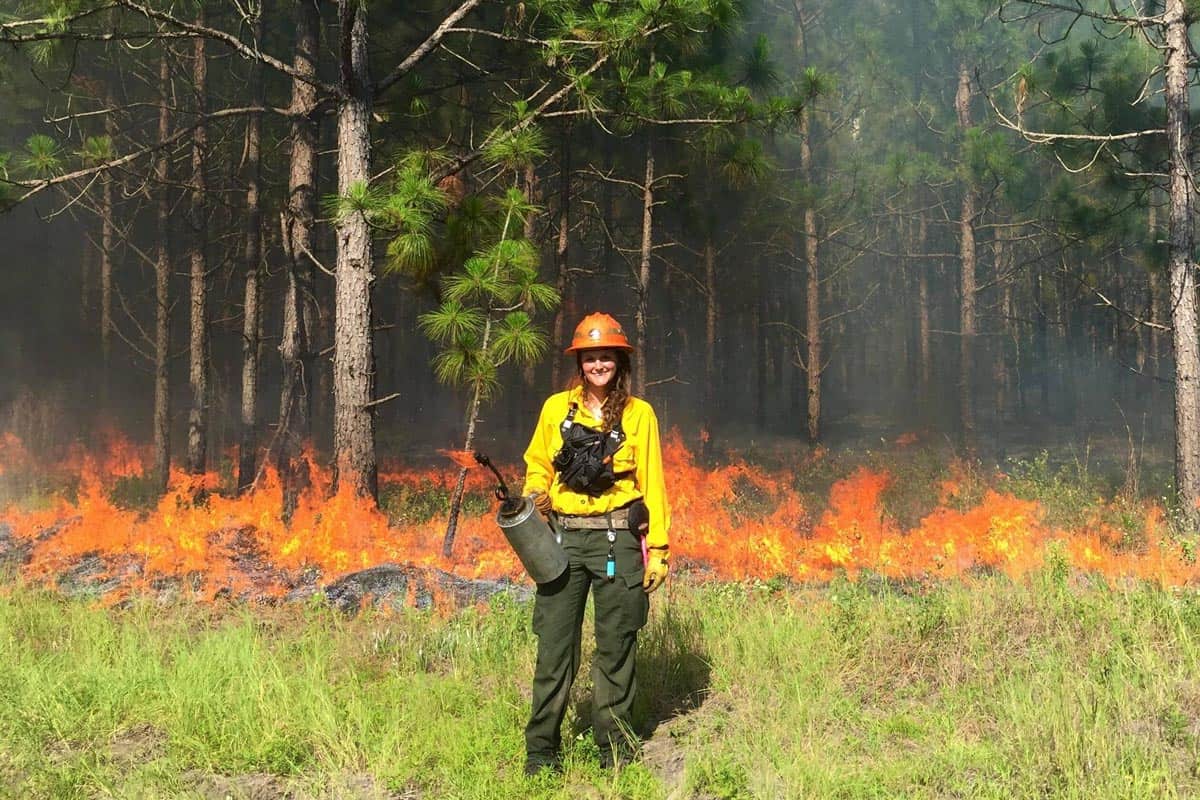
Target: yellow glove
point(541, 501)
point(656, 568)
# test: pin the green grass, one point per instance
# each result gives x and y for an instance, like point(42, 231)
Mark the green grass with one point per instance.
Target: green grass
point(406, 505)
point(1058, 687)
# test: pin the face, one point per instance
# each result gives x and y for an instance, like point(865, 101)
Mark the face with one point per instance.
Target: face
point(599, 367)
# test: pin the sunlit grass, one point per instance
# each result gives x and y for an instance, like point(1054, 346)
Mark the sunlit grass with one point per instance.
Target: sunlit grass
point(1056, 687)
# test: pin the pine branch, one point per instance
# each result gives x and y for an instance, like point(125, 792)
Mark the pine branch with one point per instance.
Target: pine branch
point(426, 47)
point(33, 187)
point(252, 53)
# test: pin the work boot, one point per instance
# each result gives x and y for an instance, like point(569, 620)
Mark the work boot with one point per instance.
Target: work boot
point(537, 765)
point(616, 757)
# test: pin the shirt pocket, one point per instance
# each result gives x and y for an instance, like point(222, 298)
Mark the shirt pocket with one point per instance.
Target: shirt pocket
point(625, 459)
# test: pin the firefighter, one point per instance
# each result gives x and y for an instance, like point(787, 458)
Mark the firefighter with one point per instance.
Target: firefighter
point(594, 468)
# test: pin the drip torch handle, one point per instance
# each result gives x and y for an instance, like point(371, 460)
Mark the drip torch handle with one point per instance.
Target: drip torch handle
point(508, 503)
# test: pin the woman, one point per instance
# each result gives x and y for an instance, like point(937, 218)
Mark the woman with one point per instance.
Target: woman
point(594, 466)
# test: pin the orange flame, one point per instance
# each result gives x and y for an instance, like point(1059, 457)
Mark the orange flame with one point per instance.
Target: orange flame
point(464, 458)
point(735, 521)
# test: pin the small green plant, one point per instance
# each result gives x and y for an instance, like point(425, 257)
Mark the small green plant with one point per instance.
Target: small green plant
point(484, 321)
point(135, 492)
point(406, 505)
point(1068, 492)
point(1058, 566)
point(722, 780)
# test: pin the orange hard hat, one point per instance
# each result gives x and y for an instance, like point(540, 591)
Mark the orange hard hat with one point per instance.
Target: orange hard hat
point(598, 331)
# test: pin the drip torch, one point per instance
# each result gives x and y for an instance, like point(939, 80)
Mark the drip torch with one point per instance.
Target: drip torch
point(527, 531)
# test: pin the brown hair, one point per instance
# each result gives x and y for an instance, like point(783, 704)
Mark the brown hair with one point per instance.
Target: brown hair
point(618, 392)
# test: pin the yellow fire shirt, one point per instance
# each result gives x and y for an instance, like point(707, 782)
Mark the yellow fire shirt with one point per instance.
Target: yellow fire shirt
point(640, 458)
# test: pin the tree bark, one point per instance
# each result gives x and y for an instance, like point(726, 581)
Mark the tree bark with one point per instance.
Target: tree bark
point(162, 281)
point(353, 361)
point(530, 182)
point(561, 253)
point(643, 275)
point(812, 288)
point(966, 249)
point(107, 241)
point(197, 442)
point(295, 404)
point(1154, 288)
point(924, 326)
point(1001, 263)
point(762, 313)
point(1180, 241)
point(251, 316)
point(710, 337)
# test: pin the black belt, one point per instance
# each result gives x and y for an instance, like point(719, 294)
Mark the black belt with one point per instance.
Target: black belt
point(616, 520)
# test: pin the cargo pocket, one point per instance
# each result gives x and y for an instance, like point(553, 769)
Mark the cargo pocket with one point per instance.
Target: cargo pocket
point(635, 605)
point(546, 607)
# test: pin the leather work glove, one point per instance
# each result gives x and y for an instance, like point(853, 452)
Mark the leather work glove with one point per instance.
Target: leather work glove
point(541, 501)
point(656, 568)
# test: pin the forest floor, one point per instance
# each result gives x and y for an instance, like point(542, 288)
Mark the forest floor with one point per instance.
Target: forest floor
point(1039, 670)
point(1056, 686)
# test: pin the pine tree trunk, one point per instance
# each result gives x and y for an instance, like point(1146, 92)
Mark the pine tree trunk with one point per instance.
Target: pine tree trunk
point(1156, 348)
point(1001, 259)
point(1041, 343)
point(1182, 269)
point(762, 345)
point(608, 211)
point(924, 325)
point(353, 360)
point(295, 350)
point(107, 242)
point(812, 289)
point(1157, 317)
point(643, 276)
point(251, 316)
point(86, 257)
point(561, 252)
point(710, 337)
point(966, 249)
point(162, 281)
point(528, 371)
point(1070, 333)
point(197, 442)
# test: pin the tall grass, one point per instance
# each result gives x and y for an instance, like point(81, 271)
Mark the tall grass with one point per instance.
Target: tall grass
point(1056, 687)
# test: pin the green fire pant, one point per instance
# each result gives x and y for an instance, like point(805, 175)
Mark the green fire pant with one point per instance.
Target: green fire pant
point(621, 608)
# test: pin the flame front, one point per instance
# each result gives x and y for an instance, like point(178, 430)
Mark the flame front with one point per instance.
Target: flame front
point(463, 458)
point(735, 521)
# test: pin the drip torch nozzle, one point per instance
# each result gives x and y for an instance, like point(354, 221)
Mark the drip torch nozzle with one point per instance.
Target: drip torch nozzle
point(509, 504)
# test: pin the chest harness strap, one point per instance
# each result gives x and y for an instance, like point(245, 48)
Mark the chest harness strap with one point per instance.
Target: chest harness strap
point(584, 463)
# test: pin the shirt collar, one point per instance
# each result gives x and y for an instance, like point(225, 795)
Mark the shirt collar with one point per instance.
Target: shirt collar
point(576, 397)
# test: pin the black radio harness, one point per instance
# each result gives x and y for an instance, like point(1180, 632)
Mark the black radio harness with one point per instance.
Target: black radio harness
point(584, 463)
